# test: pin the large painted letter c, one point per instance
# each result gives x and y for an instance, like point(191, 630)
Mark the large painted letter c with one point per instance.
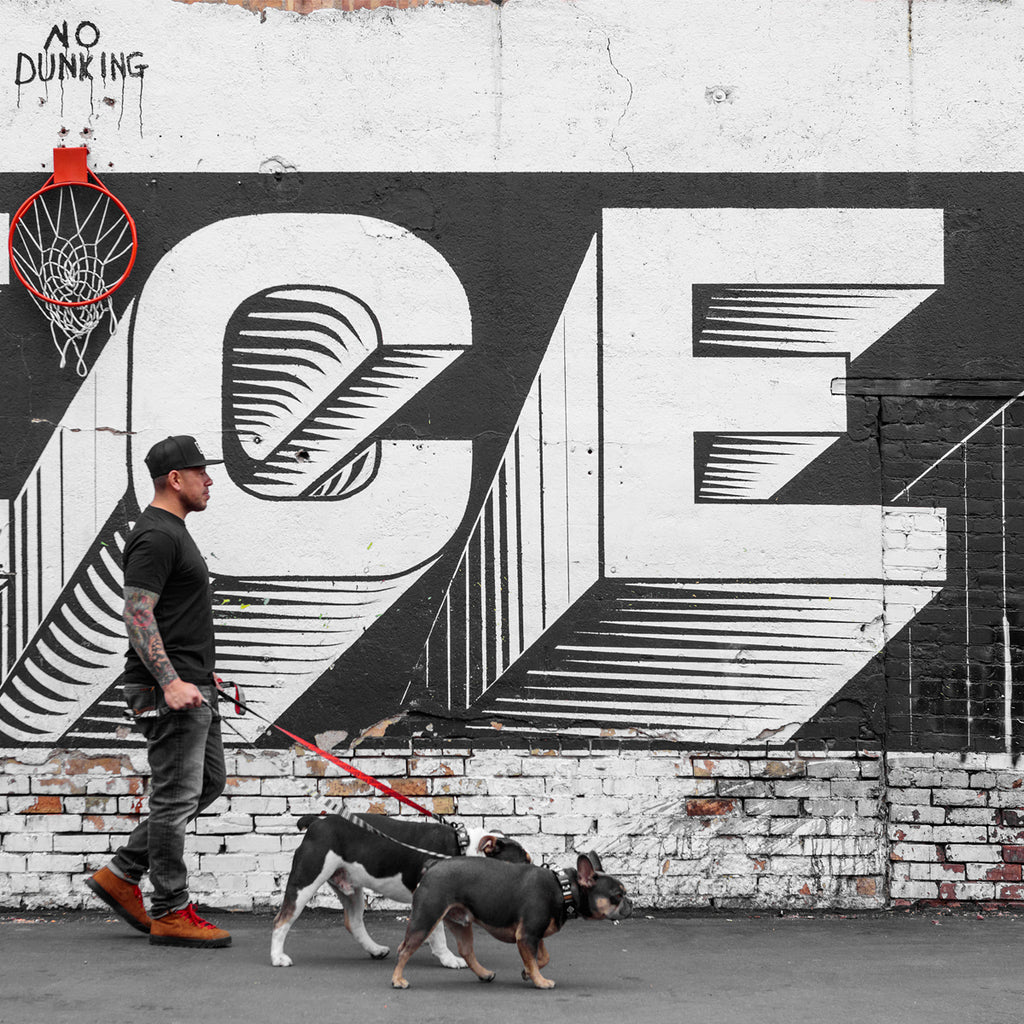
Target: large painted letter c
point(302, 366)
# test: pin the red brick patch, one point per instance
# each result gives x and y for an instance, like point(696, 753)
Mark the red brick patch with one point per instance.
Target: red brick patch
point(342, 787)
point(79, 764)
point(45, 805)
point(1013, 854)
point(791, 769)
point(709, 808)
point(1004, 873)
point(409, 787)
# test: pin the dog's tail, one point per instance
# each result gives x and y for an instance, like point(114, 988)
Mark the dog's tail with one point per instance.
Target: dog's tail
point(303, 822)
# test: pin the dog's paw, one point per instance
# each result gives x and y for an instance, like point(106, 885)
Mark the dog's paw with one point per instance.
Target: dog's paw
point(489, 976)
point(544, 983)
point(379, 952)
point(452, 962)
point(400, 983)
point(281, 960)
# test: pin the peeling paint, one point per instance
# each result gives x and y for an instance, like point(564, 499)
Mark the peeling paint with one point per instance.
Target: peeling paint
point(330, 739)
point(377, 730)
point(79, 430)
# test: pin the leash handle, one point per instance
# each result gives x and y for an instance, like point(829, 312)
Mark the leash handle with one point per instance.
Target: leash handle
point(237, 699)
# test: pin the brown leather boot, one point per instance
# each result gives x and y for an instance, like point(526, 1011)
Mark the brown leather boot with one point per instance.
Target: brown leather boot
point(186, 928)
point(122, 897)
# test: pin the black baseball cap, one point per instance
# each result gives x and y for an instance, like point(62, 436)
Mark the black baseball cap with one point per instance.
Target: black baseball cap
point(179, 452)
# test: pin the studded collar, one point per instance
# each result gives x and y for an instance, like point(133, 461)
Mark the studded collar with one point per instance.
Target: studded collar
point(570, 903)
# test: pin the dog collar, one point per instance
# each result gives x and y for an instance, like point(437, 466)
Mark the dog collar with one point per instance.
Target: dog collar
point(568, 899)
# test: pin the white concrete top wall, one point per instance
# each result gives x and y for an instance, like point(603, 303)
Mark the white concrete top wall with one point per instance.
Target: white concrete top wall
point(534, 85)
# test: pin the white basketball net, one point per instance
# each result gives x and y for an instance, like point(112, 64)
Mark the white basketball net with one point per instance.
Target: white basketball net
point(73, 243)
point(72, 326)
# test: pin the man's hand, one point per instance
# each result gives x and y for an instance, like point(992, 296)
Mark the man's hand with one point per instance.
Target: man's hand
point(181, 695)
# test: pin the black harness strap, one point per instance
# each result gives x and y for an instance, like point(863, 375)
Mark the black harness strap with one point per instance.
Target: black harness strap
point(362, 823)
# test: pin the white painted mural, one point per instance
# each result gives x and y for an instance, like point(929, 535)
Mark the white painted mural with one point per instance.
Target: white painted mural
point(554, 396)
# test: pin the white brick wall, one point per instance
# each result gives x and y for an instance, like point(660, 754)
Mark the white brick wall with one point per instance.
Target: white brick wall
point(954, 823)
point(681, 829)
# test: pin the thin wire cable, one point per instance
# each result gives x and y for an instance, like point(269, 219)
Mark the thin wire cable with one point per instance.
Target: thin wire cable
point(967, 606)
point(963, 440)
point(1007, 653)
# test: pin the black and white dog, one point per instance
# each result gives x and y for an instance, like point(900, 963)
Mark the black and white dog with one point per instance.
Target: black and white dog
point(351, 858)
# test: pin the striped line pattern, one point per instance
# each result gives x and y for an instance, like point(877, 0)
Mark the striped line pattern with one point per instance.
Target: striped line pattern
point(82, 639)
point(514, 579)
point(275, 639)
point(752, 467)
point(309, 378)
point(533, 551)
point(800, 320)
point(718, 663)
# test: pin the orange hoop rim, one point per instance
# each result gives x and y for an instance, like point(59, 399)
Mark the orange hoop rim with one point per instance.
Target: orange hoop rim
point(49, 187)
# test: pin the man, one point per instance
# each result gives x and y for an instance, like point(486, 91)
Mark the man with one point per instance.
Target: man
point(169, 685)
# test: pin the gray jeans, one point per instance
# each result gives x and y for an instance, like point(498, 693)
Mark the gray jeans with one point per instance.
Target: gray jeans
point(186, 761)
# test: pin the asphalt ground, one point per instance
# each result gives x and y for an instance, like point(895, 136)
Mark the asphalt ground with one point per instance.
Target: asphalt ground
point(883, 968)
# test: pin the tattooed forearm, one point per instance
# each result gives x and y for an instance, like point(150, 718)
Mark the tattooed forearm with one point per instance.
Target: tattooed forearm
point(144, 636)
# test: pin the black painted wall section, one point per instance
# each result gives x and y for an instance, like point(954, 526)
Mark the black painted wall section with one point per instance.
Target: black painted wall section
point(516, 243)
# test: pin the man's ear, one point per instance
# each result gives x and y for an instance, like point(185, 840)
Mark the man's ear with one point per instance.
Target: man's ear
point(174, 480)
point(585, 872)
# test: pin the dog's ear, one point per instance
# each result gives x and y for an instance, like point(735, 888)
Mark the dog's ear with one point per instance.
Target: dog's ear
point(488, 845)
point(586, 870)
point(595, 860)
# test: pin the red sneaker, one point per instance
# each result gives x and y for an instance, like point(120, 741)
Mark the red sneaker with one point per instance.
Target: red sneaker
point(186, 928)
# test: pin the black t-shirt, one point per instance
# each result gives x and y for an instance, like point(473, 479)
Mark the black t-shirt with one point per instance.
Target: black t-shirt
point(161, 556)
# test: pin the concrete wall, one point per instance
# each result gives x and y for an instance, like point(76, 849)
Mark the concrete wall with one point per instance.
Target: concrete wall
point(620, 411)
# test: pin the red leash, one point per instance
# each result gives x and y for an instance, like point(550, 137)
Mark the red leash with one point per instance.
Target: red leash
point(351, 769)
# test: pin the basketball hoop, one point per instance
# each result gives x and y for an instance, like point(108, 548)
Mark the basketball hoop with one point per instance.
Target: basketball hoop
point(72, 245)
